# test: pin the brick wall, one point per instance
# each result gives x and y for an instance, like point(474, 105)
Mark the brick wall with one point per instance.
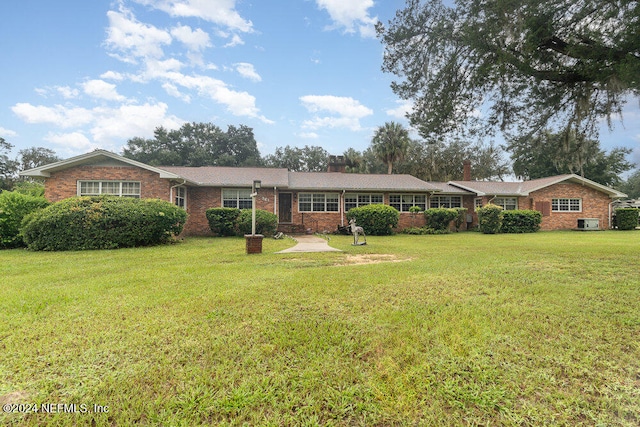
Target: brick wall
point(595, 204)
point(64, 184)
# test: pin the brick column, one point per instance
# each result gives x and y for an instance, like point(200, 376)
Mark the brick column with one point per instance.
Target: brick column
point(254, 243)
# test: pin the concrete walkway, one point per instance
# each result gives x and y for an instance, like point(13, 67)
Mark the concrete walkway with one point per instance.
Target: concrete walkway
point(307, 243)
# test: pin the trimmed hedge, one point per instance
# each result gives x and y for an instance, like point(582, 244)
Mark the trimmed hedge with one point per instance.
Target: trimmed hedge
point(627, 218)
point(104, 222)
point(521, 221)
point(490, 218)
point(376, 220)
point(440, 218)
point(14, 207)
point(266, 222)
point(223, 221)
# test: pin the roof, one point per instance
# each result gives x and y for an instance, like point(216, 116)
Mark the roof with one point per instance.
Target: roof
point(222, 176)
point(352, 181)
point(523, 188)
point(93, 157)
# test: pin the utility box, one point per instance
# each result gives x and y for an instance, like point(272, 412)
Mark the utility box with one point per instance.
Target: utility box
point(588, 224)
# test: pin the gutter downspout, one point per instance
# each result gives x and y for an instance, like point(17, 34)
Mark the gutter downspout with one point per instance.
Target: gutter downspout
point(275, 201)
point(342, 209)
point(184, 181)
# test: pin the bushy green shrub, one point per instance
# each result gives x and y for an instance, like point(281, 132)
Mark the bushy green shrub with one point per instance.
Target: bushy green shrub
point(490, 218)
point(102, 223)
point(440, 218)
point(461, 217)
point(627, 218)
point(223, 221)
point(266, 222)
point(14, 207)
point(521, 221)
point(376, 220)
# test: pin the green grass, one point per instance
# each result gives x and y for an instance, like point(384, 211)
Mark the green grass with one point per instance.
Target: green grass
point(459, 329)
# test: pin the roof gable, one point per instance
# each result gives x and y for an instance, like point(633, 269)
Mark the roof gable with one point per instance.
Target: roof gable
point(92, 158)
point(524, 188)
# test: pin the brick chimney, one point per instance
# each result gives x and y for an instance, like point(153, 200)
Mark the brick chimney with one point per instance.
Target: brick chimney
point(337, 164)
point(466, 167)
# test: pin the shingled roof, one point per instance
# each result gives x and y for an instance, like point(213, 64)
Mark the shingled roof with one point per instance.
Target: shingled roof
point(221, 176)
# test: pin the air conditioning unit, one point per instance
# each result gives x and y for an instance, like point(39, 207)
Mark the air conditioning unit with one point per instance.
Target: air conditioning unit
point(588, 224)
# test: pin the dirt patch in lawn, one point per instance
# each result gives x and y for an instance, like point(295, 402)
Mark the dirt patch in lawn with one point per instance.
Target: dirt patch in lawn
point(370, 259)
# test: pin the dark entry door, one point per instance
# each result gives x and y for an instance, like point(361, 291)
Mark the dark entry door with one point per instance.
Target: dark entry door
point(284, 207)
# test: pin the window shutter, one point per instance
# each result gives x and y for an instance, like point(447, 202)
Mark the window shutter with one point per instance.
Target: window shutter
point(544, 208)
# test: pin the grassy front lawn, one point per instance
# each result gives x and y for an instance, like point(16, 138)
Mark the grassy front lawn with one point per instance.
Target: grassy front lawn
point(460, 329)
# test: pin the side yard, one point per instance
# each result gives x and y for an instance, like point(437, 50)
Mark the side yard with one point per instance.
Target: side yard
point(456, 329)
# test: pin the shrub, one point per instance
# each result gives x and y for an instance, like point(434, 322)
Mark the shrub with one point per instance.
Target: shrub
point(13, 208)
point(521, 221)
point(490, 218)
point(376, 220)
point(461, 217)
point(266, 222)
point(102, 223)
point(627, 218)
point(440, 218)
point(223, 221)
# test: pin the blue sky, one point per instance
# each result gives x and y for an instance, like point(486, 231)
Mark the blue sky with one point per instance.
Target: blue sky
point(78, 75)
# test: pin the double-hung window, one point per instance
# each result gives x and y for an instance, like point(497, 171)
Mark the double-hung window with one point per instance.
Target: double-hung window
point(318, 202)
point(113, 188)
point(403, 202)
point(181, 197)
point(238, 198)
point(566, 205)
point(506, 203)
point(445, 202)
point(353, 200)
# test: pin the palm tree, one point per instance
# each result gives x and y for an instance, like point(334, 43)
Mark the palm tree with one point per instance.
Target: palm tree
point(390, 143)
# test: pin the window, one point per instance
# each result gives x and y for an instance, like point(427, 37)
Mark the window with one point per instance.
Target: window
point(318, 202)
point(445, 202)
point(566, 205)
point(114, 188)
point(506, 203)
point(181, 196)
point(403, 202)
point(236, 198)
point(477, 203)
point(355, 200)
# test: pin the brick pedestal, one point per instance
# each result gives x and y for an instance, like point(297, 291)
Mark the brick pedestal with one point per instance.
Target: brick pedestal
point(254, 243)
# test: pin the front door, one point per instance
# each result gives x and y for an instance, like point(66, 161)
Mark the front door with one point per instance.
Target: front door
point(284, 208)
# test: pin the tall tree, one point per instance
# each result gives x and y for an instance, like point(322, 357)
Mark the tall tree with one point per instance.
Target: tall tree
point(518, 66)
point(7, 166)
point(443, 161)
point(33, 157)
point(390, 143)
point(631, 187)
point(196, 144)
point(306, 159)
point(551, 154)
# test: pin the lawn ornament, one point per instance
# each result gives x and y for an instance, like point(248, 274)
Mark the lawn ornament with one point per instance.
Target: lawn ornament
point(356, 231)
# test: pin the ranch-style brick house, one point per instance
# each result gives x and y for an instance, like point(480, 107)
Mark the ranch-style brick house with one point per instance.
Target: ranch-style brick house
point(318, 201)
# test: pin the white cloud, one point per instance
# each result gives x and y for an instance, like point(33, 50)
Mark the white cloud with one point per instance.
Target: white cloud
point(400, 112)
point(344, 112)
point(67, 92)
point(236, 40)
point(102, 90)
point(247, 70)
point(352, 15)
point(308, 135)
point(134, 39)
point(196, 40)
point(112, 75)
point(4, 132)
point(106, 125)
point(64, 117)
point(77, 141)
point(221, 12)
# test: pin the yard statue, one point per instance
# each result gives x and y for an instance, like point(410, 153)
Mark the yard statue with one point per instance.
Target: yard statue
point(356, 230)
